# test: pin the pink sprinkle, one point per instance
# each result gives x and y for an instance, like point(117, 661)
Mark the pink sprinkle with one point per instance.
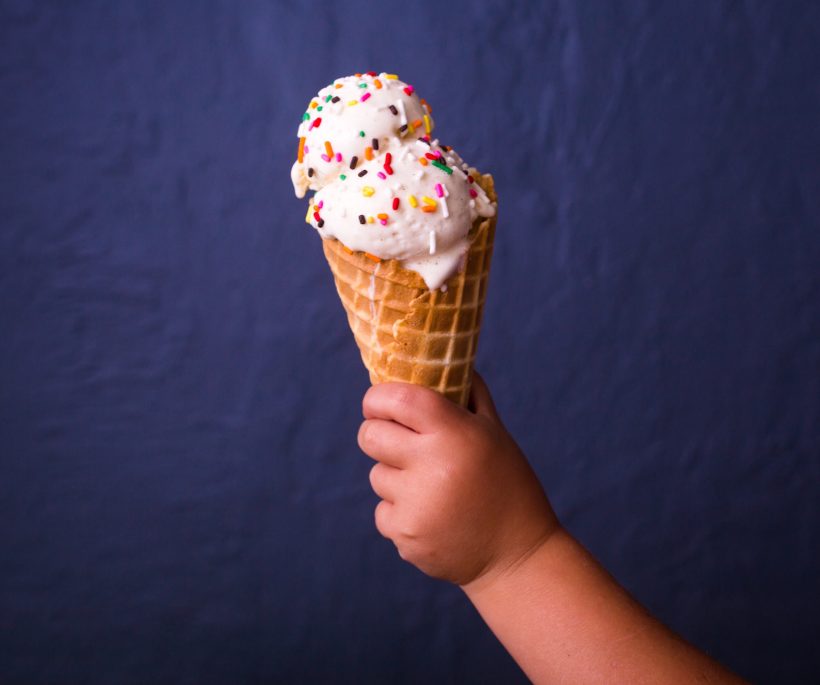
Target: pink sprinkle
point(473, 193)
point(306, 149)
point(439, 190)
point(321, 204)
point(325, 157)
point(409, 90)
point(383, 222)
point(381, 175)
point(338, 156)
point(365, 97)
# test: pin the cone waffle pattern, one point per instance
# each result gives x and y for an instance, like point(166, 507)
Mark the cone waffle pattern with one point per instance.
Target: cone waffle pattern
point(404, 331)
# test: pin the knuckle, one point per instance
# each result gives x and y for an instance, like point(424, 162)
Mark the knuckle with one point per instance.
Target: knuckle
point(365, 437)
point(374, 476)
point(380, 518)
point(401, 396)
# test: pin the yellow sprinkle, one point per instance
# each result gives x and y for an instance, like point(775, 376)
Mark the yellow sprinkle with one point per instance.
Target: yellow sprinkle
point(371, 220)
point(411, 127)
point(413, 201)
point(426, 123)
point(367, 191)
point(309, 212)
point(429, 201)
point(350, 103)
point(391, 76)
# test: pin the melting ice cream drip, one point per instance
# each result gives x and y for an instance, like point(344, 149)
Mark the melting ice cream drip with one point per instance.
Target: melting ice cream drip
point(371, 292)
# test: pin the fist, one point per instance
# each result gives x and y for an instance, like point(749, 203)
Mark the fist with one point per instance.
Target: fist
point(458, 498)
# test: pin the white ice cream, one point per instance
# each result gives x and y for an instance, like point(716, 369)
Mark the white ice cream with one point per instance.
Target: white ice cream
point(411, 199)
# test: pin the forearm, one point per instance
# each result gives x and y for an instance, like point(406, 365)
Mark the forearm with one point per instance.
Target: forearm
point(564, 619)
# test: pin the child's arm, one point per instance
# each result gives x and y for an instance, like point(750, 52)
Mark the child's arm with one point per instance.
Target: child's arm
point(461, 503)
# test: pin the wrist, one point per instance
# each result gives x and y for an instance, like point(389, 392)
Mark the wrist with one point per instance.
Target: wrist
point(507, 569)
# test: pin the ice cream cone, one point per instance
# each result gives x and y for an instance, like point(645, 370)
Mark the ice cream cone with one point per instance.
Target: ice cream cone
point(407, 332)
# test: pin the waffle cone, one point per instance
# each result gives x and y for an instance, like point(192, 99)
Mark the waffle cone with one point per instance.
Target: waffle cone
point(406, 332)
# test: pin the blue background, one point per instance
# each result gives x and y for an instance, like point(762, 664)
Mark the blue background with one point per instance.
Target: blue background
point(182, 499)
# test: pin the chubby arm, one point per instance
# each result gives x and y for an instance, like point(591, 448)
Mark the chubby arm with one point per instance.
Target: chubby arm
point(460, 502)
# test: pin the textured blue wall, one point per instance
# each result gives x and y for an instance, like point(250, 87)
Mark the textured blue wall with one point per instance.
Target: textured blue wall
point(181, 496)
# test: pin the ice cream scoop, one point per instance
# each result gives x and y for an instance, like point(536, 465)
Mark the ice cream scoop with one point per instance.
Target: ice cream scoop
point(357, 116)
point(383, 186)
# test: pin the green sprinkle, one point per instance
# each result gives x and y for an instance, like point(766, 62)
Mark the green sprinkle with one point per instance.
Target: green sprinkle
point(319, 108)
point(342, 176)
point(443, 167)
point(305, 116)
point(327, 99)
point(362, 85)
point(361, 133)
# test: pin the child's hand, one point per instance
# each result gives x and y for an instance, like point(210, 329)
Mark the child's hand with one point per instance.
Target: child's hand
point(459, 499)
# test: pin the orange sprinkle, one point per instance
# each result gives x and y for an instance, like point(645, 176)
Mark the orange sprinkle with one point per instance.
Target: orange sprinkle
point(372, 256)
point(425, 105)
point(422, 161)
point(357, 75)
point(328, 148)
point(368, 153)
point(378, 83)
point(347, 249)
point(300, 155)
point(384, 217)
point(417, 123)
point(338, 85)
point(428, 208)
point(314, 104)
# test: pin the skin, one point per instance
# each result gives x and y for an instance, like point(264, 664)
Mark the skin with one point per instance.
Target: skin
point(460, 502)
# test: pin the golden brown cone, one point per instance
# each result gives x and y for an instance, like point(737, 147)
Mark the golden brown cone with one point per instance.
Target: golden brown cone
point(406, 332)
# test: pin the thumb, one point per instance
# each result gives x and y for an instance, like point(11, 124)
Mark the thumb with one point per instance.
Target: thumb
point(481, 402)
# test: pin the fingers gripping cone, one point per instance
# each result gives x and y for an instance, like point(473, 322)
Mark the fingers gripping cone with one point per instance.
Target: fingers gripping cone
point(406, 332)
